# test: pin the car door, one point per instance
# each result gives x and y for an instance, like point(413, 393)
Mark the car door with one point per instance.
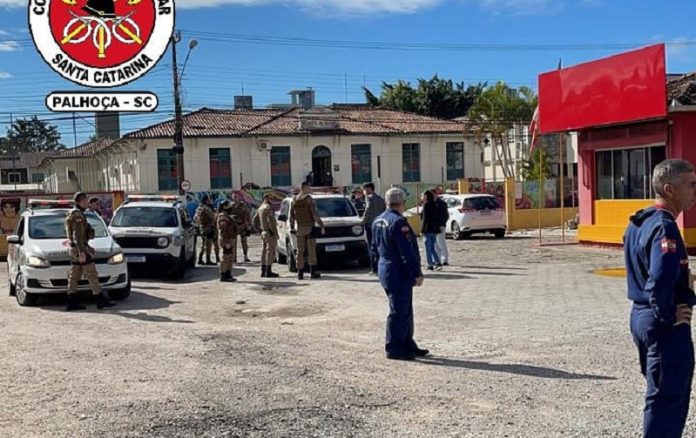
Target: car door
point(13, 250)
point(189, 236)
point(282, 218)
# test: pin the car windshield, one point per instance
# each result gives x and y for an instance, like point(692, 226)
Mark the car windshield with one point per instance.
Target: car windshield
point(481, 203)
point(53, 226)
point(335, 207)
point(156, 217)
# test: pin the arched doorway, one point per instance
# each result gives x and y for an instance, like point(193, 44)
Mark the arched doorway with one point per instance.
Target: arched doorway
point(321, 166)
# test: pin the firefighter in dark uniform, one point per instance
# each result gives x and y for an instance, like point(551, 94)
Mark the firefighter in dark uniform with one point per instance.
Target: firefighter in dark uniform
point(243, 214)
point(205, 221)
point(399, 270)
point(305, 213)
point(657, 267)
point(79, 233)
point(227, 230)
point(269, 234)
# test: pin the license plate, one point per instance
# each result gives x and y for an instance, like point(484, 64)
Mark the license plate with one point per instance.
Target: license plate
point(135, 259)
point(335, 248)
point(486, 212)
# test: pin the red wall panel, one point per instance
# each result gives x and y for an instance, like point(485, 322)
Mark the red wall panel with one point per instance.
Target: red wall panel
point(623, 88)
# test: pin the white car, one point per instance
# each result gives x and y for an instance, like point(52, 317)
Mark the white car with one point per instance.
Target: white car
point(38, 259)
point(472, 214)
point(155, 232)
point(344, 240)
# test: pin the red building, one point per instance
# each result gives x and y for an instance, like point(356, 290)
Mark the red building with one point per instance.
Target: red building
point(629, 118)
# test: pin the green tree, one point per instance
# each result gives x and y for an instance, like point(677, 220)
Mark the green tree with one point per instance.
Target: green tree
point(538, 163)
point(498, 110)
point(31, 135)
point(429, 97)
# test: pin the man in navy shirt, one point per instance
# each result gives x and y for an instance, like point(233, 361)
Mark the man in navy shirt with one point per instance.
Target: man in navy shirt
point(399, 270)
point(657, 267)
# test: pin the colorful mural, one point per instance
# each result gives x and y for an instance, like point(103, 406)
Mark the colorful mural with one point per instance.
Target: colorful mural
point(10, 208)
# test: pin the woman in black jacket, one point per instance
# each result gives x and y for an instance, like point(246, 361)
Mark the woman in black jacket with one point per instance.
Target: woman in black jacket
point(430, 227)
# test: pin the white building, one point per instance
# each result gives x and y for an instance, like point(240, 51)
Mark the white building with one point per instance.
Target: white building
point(342, 145)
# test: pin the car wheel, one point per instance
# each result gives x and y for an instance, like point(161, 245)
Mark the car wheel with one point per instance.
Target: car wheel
point(121, 294)
point(191, 263)
point(499, 234)
point(23, 297)
point(282, 259)
point(180, 270)
point(292, 262)
point(457, 232)
point(364, 262)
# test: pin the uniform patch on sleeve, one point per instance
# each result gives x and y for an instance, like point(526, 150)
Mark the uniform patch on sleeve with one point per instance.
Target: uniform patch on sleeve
point(668, 245)
point(406, 229)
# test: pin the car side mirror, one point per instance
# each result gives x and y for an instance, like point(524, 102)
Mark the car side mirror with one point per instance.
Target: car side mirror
point(282, 218)
point(14, 240)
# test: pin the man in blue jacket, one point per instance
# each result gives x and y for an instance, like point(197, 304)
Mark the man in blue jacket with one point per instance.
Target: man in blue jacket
point(657, 266)
point(399, 270)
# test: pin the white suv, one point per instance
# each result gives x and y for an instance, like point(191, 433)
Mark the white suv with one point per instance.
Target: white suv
point(155, 231)
point(344, 239)
point(474, 213)
point(38, 259)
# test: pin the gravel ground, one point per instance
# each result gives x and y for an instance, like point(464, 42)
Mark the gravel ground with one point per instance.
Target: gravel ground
point(527, 342)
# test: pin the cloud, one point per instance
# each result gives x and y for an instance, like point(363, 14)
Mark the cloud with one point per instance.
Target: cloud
point(523, 7)
point(12, 4)
point(9, 46)
point(358, 7)
point(681, 48)
point(5, 75)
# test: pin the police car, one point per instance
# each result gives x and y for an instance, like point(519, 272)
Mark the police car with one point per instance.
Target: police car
point(155, 231)
point(344, 239)
point(38, 259)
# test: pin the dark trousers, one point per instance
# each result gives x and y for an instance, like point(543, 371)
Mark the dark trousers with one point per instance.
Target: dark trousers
point(399, 341)
point(667, 361)
point(374, 258)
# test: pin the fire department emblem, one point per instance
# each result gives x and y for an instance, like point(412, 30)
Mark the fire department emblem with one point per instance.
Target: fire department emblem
point(101, 43)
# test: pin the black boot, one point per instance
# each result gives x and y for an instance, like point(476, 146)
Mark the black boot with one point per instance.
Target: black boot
point(313, 272)
point(208, 262)
point(300, 274)
point(263, 271)
point(103, 301)
point(226, 277)
point(271, 274)
point(200, 260)
point(73, 304)
point(246, 258)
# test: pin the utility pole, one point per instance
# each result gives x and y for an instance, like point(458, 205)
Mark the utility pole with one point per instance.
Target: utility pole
point(178, 117)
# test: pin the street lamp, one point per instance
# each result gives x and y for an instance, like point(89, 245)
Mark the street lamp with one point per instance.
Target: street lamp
point(178, 117)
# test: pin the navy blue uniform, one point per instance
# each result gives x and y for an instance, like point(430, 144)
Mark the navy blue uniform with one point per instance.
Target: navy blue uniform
point(399, 266)
point(657, 266)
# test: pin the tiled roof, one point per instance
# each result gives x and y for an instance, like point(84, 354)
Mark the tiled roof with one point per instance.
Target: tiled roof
point(683, 89)
point(350, 119)
point(26, 160)
point(86, 150)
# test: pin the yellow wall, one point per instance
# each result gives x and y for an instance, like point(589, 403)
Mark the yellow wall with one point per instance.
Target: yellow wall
point(550, 217)
point(610, 220)
point(3, 247)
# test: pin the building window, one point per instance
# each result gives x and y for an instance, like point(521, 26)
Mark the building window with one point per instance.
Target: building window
point(411, 162)
point(37, 178)
point(14, 177)
point(166, 169)
point(220, 168)
point(280, 166)
point(455, 161)
point(626, 173)
point(361, 163)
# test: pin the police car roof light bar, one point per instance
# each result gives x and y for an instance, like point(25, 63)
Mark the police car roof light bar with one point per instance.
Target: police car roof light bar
point(51, 203)
point(153, 198)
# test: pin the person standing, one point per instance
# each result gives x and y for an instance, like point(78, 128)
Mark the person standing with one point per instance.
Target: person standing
point(305, 213)
point(441, 241)
point(79, 232)
point(243, 217)
point(205, 221)
point(269, 235)
point(657, 267)
point(430, 227)
point(374, 206)
point(399, 271)
point(226, 234)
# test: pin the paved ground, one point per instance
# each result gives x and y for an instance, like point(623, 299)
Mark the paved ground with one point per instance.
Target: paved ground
point(527, 343)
